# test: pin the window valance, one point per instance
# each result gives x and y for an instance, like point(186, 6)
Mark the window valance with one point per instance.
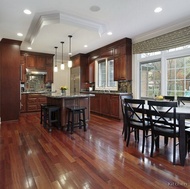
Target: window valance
point(167, 41)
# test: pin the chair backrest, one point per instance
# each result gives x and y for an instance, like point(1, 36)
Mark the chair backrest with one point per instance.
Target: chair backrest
point(170, 98)
point(162, 115)
point(122, 97)
point(134, 111)
point(183, 99)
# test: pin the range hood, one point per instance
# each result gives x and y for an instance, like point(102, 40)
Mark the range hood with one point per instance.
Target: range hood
point(35, 72)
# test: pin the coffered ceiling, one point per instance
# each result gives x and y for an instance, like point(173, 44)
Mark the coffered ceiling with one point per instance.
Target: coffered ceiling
point(88, 21)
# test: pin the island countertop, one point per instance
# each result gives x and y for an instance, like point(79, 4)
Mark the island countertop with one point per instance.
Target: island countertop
point(67, 96)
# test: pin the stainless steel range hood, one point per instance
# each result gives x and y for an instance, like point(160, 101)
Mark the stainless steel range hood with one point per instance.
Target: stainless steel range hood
point(35, 72)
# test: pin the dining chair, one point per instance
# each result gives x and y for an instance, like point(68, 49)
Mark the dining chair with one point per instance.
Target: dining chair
point(183, 99)
point(122, 97)
point(163, 122)
point(136, 120)
point(169, 98)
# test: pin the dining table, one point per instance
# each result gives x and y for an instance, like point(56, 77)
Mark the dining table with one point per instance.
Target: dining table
point(182, 114)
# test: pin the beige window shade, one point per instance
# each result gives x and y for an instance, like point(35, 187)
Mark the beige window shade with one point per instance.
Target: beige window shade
point(167, 41)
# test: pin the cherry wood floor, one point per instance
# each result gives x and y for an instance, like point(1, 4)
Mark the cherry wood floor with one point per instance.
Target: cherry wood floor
point(33, 158)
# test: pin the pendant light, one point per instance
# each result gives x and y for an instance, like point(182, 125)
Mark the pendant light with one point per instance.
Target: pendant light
point(70, 53)
point(55, 67)
point(62, 64)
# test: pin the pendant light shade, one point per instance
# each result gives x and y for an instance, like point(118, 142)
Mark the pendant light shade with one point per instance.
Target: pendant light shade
point(55, 67)
point(70, 53)
point(62, 64)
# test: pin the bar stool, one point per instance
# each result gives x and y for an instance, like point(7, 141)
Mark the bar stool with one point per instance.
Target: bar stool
point(42, 113)
point(76, 121)
point(51, 116)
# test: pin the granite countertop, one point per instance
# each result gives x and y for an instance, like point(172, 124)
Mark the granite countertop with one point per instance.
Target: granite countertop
point(105, 92)
point(58, 95)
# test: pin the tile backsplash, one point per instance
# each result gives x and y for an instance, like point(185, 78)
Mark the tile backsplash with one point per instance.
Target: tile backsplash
point(35, 83)
point(125, 86)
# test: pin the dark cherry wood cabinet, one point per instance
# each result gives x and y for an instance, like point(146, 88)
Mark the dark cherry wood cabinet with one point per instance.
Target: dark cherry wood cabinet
point(91, 70)
point(95, 103)
point(22, 69)
point(23, 103)
point(34, 101)
point(106, 105)
point(40, 61)
point(9, 79)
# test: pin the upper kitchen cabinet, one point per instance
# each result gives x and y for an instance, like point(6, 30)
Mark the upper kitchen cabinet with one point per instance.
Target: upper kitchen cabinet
point(9, 79)
point(123, 60)
point(39, 61)
point(91, 69)
point(22, 69)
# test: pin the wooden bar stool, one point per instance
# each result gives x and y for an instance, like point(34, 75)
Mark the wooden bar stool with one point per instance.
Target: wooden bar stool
point(51, 116)
point(74, 121)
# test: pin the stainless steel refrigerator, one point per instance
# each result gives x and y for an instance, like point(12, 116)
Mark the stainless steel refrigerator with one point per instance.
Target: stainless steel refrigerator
point(75, 80)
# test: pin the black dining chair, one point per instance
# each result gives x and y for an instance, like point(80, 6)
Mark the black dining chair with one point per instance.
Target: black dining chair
point(122, 97)
point(136, 119)
point(182, 100)
point(169, 98)
point(163, 122)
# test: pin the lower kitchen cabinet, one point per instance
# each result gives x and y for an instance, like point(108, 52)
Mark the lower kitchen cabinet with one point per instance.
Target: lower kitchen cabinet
point(32, 102)
point(106, 105)
point(95, 103)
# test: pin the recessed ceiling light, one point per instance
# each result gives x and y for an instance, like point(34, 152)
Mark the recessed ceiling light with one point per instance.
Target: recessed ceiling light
point(29, 48)
point(26, 11)
point(85, 46)
point(109, 33)
point(94, 8)
point(20, 34)
point(158, 9)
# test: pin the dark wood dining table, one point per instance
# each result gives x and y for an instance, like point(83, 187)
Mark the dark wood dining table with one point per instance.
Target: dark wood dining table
point(182, 113)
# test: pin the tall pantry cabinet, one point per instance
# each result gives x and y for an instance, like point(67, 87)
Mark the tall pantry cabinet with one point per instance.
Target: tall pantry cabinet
point(9, 79)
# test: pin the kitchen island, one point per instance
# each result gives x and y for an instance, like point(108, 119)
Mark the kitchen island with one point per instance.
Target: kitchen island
point(69, 100)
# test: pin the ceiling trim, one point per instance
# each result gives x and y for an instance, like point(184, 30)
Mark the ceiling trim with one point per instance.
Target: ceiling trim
point(42, 19)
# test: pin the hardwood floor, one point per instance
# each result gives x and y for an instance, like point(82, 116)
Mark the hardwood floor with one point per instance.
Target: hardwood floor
point(33, 158)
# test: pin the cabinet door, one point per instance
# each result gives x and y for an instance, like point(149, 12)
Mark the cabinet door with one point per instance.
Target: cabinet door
point(114, 106)
point(122, 68)
point(95, 103)
point(30, 61)
point(23, 103)
point(40, 62)
point(49, 76)
point(92, 72)
point(105, 104)
point(22, 69)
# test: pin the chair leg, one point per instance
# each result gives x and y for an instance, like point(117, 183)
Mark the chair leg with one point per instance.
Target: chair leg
point(143, 141)
point(152, 145)
point(128, 135)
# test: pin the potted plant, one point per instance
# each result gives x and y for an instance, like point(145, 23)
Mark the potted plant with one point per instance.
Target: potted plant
point(63, 89)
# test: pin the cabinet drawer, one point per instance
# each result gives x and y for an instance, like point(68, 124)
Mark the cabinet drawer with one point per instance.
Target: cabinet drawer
point(32, 100)
point(32, 107)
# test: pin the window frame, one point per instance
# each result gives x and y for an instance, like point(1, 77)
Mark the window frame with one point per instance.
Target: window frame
point(106, 87)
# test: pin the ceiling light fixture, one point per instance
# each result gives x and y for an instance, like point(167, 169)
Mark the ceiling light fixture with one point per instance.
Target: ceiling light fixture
point(55, 67)
point(109, 33)
point(158, 9)
point(26, 11)
point(70, 53)
point(20, 34)
point(62, 64)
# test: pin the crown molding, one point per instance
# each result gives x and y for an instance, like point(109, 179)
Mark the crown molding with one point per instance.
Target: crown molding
point(42, 19)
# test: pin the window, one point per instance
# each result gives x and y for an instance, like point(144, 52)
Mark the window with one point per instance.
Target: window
point(164, 73)
point(178, 73)
point(105, 75)
point(150, 79)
